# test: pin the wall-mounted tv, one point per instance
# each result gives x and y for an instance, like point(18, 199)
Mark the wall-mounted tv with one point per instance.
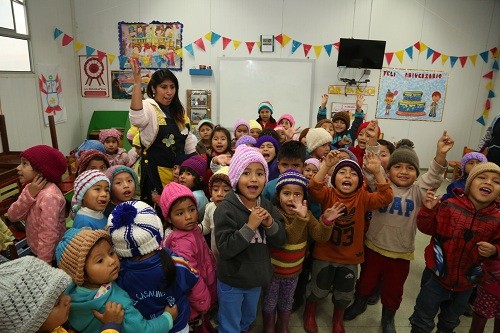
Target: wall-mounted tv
point(361, 53)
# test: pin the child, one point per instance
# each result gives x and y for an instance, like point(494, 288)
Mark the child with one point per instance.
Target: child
point(90, 200)
point(486, 304)
point(255, 128)
point(88, 258)
point(41, 203)
point(205, 129)
point(390, 239)
point(246, 140)
point(92, 160)
point(302, 136)
point(281, 133)
point(269, 147)
point(123, 184)
point(386, 149)
point(191, 175)
point(90, 145)
point(311, 168)
point(246, 223)
point(241, 127)
point(110, 138)
point(178, 206)
point(336, 262)
point(318, 142)
point(465, 231)
point(287, 121)
point(221, 139)
point(490, 142)
point(266, 119)
point(367, 136)
point(326, 124)
point(299, 223)
point(154, 277)
point(33, 299)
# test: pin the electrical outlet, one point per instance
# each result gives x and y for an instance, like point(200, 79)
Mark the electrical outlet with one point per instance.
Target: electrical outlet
point(367, 72)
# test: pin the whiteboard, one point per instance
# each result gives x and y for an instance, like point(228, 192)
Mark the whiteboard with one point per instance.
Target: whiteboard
point(245, 82)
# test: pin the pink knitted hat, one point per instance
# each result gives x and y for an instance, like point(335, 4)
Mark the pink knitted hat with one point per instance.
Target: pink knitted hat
point(170, 194)
point(288, 117)
point(242, 158)
point(240, 122)
point(313, 161)
point(110, 132)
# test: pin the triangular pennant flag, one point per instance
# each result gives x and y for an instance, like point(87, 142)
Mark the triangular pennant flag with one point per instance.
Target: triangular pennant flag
point(146, 60)
point(495, 65)
point(279, 39)
point(417, 45)
point(488, 75)
point(295, 45)
point(89, 50)
point(258, 45)
point(66, 40)
point(250, 46)
point(489, 85)
point(429, 53)
point(487, 105)
point(111, 58)
point(100, 55)
point(317, 50)
point(179, 53)
point(225, 42)
point(200, 44)
point(286, 40)
point(236, 44)
point(328, 49)
point(307, 48)
point(215, 38)
point(463, 60)
point(123, 60)
point(388, 57)
point(444, 57)
point(473, 59)
point(77, 45)
point(208, 36)
point(57, 33)
point(494, 52)
point(337, 45)
point(491, 94)
point(423, 47)
point(190, 49)
point(453, 60)
point(484, 55)
point(409, 51)
point(481, 121)
point(435, 55)
point(400, 54)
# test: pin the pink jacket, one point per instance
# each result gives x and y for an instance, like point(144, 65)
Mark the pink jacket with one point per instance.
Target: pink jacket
point(45, 219)
point(192, 246)
point(120, 158)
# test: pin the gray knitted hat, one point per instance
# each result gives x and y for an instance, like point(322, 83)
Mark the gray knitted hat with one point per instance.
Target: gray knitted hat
point(29, 289)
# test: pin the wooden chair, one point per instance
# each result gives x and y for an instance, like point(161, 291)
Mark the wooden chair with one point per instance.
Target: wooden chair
point(457, 166)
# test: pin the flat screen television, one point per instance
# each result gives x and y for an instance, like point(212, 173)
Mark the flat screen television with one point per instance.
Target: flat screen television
point(361, 53)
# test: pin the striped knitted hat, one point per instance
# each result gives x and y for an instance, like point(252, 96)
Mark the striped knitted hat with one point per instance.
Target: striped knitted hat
point(348, 163)
point(83, 183)
point(110, 132)
point(242, 158)
point(266, 105)
point(291, 176)
point(88, 155)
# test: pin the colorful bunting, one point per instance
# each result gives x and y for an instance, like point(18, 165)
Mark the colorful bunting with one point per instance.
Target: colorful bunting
point(66, 40)
point(484, 55)
point(295, 46)
point(328, 49)
point(453, 60)
point(429, 52)
point(400, 54)
point(208, 36)
point(236, 44)
point(487, 105)
point(89, 50)
point(307, 48)
point(336, 45)
point(488, 75)
point(495, 65)
point(225, 42)
point(77, 45)
point(190, 49)
point(57, 33)
point(212, 37)
point(279, 39)
point(481, 121)
point(111, 58)
point(489, 85)
point(494, 52)
point(417, 46)
point(444, 58)
point(435, 55)
point(388, 57)
point(473, 59)
point(199, 43)
point(100, 55)
point(146, 60)
point(409, 51)
point(258, 45)
point(491, 94)
point(286, 40)
point(317, 50)
point(250, 46)
point(463, 60)
point(423, 47)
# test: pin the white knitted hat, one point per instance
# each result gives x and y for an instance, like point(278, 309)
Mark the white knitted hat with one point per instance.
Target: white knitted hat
point(135, 229)
point(83, 183)
point(29, 288)
point(317, 137)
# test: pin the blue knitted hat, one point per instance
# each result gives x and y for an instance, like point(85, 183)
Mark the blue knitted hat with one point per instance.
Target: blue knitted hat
point(90, 145)
point(114, 170)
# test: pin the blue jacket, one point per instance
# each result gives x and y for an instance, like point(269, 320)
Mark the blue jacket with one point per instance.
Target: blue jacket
point(459, 183)
point(95, 221)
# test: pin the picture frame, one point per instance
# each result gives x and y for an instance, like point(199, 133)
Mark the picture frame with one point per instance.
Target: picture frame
point(266, 43)
point(199, 104)
point(122, 83)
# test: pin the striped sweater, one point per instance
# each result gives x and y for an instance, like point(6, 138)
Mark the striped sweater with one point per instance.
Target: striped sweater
point(288, 259)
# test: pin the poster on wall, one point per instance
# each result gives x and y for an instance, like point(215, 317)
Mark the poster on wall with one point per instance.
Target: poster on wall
point(94, 76)
point(349, 107)
point(50, 85)
point(155, 45)
point(411, 94)
point(122, 83)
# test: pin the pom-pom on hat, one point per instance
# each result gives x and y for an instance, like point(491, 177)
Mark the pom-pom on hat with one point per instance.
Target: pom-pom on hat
point(83, 183)
point(344, 116)
point(114, 170)
point(365, 125)
point(90, 145)
point(110, 132)
point(291, 176)
point(317, 137)
point(73, 249)
point(313, 161)
point(197, 164)
point(240, 122)
point(205, 121)
point(288, 117)
point(29, 288)
point(221, 174)
point(404, 154)
point(172, 192)
point(49, 161)
point(135, 229)
point(472, 156)
point(353, 165)
point(246, 140)
point(242, 158)
point(254, 124)
point(266, 105)
point(479, 169)
point(89, 155)
point(267, 138)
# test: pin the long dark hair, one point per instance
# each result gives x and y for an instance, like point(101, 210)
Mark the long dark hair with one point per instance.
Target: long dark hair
point(176, 107)
point(226, 132)
point(168, 266)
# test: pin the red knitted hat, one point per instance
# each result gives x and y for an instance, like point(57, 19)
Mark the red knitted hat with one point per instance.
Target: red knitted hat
point(365, 125)
point(89, 155)
point(49, 161)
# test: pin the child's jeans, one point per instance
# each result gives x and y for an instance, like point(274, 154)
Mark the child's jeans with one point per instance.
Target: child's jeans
point(237, 307)
point(433, 297)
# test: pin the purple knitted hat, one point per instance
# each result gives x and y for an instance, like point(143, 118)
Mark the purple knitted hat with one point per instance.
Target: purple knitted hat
point(353, 165)
point(242, 158)
point(240, 122)
point(291, 176)
point(268, 138)
point(110, 132)
point(246, 140)
point(472, 156)
point(196, 163)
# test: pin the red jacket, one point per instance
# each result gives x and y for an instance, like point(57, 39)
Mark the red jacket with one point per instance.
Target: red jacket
point(458, 226)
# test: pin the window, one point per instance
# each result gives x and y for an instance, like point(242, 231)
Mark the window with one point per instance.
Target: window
point(14, 37)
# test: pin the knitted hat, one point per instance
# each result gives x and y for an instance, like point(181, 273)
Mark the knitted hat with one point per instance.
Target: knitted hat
point(135, 229)
point(323, 121)
point(197, 164)
point(90, 145)
point(73, 249)
point(29, 288)
point(246, 140)
point(136, 141)
point(477, 170)
point(344, 116)
point(132, 132)
point(242, 158)
point(404, 154)
point(313, 161)
point(49, 161)
point(472, 156)
point(288, 117)
point(348, 152)
point(240, 122)
point(266, 105)
point(83, 183)
point(190, 144)
point(205, 121)
point(114, 170)
point(110, 132)
point(254, 124)
point(172, 192)
point(267, 138)
point(365, 125)
point(279, 128)
point(89, 155)
point(220, 174)
point(291, 176)
point(317, 137)
point(348, 163)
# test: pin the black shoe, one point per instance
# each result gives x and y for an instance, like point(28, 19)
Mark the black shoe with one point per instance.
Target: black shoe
point(356, 308)
point(388, 321)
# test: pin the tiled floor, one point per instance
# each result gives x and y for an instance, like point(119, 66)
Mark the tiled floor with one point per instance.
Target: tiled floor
point(369, 321)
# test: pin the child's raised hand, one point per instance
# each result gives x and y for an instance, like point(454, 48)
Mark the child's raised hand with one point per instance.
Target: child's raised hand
point(136, 70)
point(431, 200)
point(344, 141)
point(113, 313)
point(223, 160)
point(334, 212)
point(172, 310)
point(332, 158)
point(324, 100)
point(359, 101)
point(371, 162)
point(372, 131)
point(36, 185)
point(300, 208)
point(486, 249)
point(445, 143)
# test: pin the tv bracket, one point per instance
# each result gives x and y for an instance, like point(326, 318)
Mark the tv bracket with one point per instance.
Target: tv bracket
point(353, 82)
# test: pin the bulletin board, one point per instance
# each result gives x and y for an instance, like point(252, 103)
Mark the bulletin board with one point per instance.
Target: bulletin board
point(245, 82)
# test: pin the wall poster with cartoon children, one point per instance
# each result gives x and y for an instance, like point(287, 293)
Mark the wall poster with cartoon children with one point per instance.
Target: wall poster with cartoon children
point(411, 94)
point(155, 44)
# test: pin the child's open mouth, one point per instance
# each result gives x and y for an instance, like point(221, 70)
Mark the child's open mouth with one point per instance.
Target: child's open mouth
point(485, 190)
point(127, 193)
point(253, 188)
point(346, 184)
point(102, 202)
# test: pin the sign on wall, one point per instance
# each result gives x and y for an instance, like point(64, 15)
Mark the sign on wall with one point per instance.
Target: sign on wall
point(94, 76)
point(50, 85)
point(411, 94)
